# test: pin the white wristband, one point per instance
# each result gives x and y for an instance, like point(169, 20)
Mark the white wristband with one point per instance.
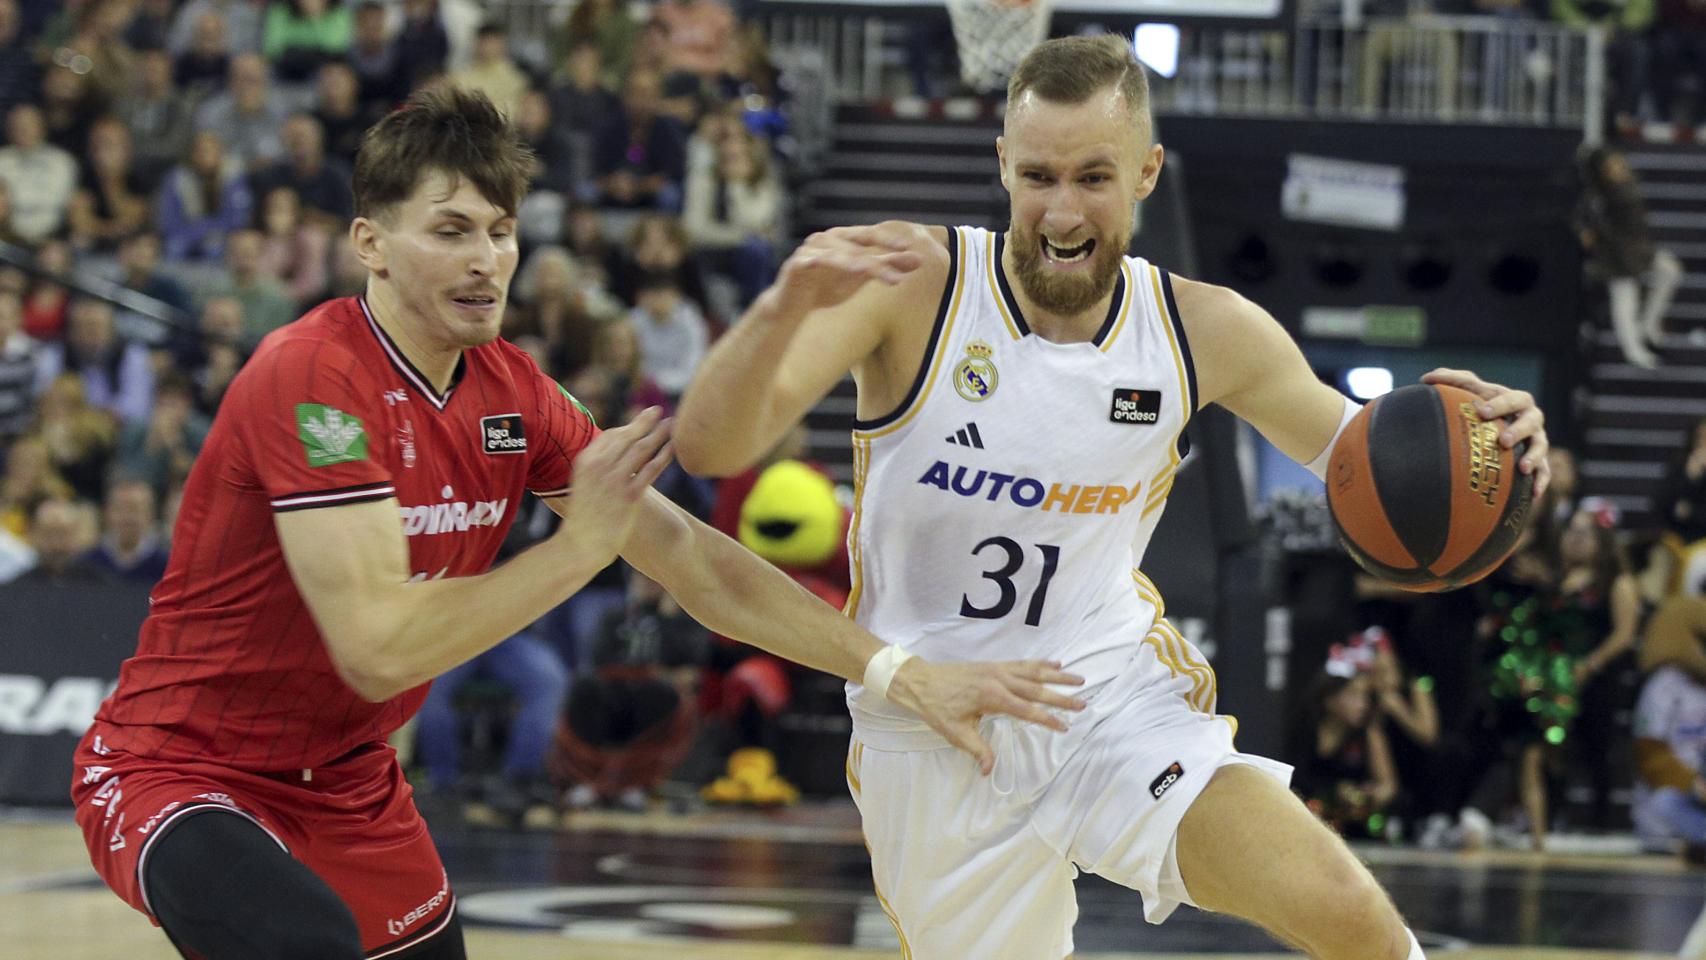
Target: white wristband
point(880, 671)
point(1318, 466)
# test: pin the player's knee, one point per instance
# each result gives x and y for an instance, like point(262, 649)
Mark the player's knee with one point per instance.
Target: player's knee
point(338, 939)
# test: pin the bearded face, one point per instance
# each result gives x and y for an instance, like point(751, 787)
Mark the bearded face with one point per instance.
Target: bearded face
point(1074, 173)
point(1067, 275)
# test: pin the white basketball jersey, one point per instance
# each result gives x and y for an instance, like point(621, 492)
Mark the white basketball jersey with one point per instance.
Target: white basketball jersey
point(1002, 511)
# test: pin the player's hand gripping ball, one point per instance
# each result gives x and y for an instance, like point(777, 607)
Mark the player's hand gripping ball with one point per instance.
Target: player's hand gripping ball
point(1423, 494)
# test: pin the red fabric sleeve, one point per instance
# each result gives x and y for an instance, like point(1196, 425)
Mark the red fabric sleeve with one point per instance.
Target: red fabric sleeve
point(568, 428)
point(308, 431)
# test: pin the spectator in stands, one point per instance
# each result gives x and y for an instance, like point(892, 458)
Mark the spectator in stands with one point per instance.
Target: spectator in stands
point(212, 357)
point(1612, 220)
point(139, 259)
point(382, 79)
point(131, 547)
point(1682, 505)
point(344, 116)
point(671, 331)
point(322, 184)
point(242, 24)
point(160, 450)
point(617, 349)
point(599, 260)
point(1680, 86)
point(249, 114)
point(423, 47)
point(48, 301)
point(295, 248)
point(642, 155)
point(98, 35)
point(733, 213)
point(560, 311)
point(68, 109)
point(1598, 611)
point(17, 370)
point(299, 35)
point(159, 117)
point(631, 720)
point(29, 479)
point(702, 36)
point(40, 177)
point(8, 234)
point(658, 244)
point(17, 65)
point(610, 28)
point(1670, 726)
point(151, 28)
point(266, 307)
point(61, 532)
point(201, 68)
point(80, 438)
point(1344, 771)
point(202, 201)
point(557, 165)
point(112, 200)
point(117, 374)
point(348, 276)
point(493, 72)
point(580, 99)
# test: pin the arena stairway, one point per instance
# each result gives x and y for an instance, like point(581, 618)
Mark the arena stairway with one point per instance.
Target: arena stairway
point(1636, 421)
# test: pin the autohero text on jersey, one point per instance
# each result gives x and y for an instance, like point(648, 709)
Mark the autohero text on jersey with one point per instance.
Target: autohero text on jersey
point(1029, 492)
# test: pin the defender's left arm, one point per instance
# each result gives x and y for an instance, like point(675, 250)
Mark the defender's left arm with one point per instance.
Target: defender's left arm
point(1246, 362)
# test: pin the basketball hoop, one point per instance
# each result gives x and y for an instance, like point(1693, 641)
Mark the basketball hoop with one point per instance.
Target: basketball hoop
point(994, 35)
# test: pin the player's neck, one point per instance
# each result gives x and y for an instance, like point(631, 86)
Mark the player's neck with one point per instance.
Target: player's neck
point(1054, 327)
point(434, 360)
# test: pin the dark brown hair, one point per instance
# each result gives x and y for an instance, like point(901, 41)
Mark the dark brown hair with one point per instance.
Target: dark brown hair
point(1071, 70)
point(452, 130)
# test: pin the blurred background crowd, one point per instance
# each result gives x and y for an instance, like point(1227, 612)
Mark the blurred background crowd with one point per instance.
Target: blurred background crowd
point(189, 160)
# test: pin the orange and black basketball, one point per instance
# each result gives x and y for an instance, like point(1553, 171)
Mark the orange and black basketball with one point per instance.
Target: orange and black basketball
point(1422, 493)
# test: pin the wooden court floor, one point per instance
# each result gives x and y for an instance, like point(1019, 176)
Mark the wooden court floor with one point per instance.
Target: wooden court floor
point(724, 886)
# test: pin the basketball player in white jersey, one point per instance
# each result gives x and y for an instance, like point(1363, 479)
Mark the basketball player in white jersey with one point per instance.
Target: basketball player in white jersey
point(1021, 401)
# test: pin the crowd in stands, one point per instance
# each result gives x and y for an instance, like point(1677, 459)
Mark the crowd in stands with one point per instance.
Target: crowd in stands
point(198, 154)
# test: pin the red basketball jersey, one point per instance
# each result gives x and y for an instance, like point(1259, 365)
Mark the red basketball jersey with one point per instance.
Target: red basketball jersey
point(230, 666)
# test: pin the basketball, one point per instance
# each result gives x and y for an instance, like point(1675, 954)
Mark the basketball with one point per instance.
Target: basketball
point(1422, 494)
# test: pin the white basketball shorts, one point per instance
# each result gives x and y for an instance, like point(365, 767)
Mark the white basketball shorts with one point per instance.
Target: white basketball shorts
point(969, 866)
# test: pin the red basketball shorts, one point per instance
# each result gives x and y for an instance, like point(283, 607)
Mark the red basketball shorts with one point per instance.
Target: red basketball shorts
point(353, 823)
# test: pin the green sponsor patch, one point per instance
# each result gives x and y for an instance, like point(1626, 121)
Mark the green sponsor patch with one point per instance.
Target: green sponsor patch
point(329, 435)
point(578, 405)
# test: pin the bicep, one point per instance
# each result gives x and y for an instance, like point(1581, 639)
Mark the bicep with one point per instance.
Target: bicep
point(1248, 364)
point(343, 561)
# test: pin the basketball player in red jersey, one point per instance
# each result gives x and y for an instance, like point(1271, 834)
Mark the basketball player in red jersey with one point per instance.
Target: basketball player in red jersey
point(332, 556)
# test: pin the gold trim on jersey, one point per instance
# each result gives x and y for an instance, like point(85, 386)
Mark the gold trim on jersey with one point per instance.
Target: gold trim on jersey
point(1177, 655)
point(1162, 483)
point(855, 754)
point(995, 289)
point(938, 350)
point(855, 555)
point(1147, 589)
point(1125, 306)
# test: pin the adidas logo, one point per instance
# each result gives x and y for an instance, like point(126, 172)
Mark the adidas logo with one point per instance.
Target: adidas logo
point(967, 436)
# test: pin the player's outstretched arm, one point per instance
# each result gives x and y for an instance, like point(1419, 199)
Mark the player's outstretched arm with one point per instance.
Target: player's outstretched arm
point(728, 589)
point(389, 630)
point(832, 305)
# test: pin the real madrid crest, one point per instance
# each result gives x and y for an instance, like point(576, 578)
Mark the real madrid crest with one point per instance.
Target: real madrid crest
point(975, 377)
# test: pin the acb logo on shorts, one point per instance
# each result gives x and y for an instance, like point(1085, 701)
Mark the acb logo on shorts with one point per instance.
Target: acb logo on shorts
point(1168, 777)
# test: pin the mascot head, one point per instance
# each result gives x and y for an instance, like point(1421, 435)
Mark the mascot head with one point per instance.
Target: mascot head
point(791, 517)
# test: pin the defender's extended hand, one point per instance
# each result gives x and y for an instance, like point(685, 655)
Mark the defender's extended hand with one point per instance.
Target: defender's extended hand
point(953, 697)
point(1526, 420)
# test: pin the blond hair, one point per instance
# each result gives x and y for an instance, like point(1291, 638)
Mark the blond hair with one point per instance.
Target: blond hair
point(1071, 70)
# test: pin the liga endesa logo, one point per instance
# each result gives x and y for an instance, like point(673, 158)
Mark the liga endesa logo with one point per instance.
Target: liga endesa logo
point(1029, 492)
